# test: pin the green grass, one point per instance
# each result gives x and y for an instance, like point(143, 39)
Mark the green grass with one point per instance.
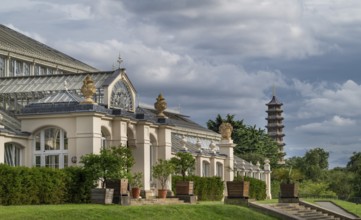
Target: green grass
point(208, 210)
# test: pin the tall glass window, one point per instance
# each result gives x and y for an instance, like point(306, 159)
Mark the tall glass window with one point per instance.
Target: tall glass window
point(205, 169)
point(19, 68)
point(2, 66)
point(13, 154)
point(51, 148)
point(219, 169)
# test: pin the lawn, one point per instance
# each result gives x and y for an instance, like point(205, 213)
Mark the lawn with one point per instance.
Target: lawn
point(213, 210)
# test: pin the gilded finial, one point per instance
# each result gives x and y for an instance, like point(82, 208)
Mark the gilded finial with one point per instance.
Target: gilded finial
point(160, 105)
point(88, 89)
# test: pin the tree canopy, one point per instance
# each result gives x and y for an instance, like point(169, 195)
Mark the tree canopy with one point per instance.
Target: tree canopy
point(252, 143)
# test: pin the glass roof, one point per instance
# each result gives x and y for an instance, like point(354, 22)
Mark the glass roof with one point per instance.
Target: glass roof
point(28, 84)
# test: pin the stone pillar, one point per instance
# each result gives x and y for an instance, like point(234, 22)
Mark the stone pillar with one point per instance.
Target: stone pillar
point(226, 147)
point(141, 153)
point(164, 149)
point(258, 171)
point(267, 177)
point(2, 150)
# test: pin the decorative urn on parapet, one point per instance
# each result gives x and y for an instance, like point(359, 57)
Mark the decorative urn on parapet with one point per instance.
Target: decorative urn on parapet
point(226, 130)
point(160, 105)
point(88, 89)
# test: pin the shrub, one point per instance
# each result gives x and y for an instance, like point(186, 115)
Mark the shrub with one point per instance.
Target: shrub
point(257, 188)
point(78, 185)
point(206, 188)
point(25, 186)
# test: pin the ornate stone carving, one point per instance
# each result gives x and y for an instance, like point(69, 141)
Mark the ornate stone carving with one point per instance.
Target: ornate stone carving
point(160, 106)
point(88, 89)
point(226, 130)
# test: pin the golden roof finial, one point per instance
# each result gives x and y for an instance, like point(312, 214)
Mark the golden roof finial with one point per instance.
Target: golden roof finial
point(160, 105)
point(88, 89)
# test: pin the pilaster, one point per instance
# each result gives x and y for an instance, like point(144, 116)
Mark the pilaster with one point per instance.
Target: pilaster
point(226, 147)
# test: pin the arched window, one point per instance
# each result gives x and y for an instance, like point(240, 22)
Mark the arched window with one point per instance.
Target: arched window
point(205, 168)
point(121, 96)
point(13, 154)
point(51, 148)
point(219, 169)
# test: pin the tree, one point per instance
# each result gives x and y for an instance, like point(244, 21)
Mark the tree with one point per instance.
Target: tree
point(111, 163)
point(340, 181)
point(162, 170)
point(354, 166)
point(252, 143)
point(315, 164)
point(183, 163)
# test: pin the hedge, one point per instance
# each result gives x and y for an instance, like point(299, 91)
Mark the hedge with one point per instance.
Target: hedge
point(257, 188)
point(24, 186)
point(206, 188)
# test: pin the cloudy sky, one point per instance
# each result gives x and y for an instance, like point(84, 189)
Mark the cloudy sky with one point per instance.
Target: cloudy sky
point(222, 56)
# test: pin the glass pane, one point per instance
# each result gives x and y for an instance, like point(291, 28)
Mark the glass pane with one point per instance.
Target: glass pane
point(18, 69)
point(42, 70)
point(37, 142)
point(26, 69)
point(2, 67)
point(52, 161)
point(65, 141)
point(8, 155)
point(65, 160)
point(17, 156)
point(12, 67)
point(38, 161)
point(52, 139)
point(36, 70)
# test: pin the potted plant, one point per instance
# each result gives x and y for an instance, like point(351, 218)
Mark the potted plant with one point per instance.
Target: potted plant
point(238, 188)
point(119, 180)
point(111, 163)
point(184, 164)
point(288, 186)
point(136, 183)
point(162, 171)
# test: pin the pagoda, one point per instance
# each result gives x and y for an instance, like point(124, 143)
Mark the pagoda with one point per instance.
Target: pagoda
point(275, 124)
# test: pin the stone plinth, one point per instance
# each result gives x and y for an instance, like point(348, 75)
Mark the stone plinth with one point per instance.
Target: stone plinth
point(236, 201)
point(187, 198)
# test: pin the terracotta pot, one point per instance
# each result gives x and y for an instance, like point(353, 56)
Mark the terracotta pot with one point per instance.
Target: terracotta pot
point(162, 193)
point(184, 188)
point(135, 192)
point(238, 189)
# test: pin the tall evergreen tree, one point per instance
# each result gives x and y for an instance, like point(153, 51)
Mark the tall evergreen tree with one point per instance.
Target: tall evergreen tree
point(252, 143)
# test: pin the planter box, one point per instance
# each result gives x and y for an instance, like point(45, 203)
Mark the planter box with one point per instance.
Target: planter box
point(184, 188)
point(120, 188)
point(102, 196)
point(238, 189)
point(289, 190)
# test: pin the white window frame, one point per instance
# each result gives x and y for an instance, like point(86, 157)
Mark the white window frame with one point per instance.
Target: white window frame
point(61, 152)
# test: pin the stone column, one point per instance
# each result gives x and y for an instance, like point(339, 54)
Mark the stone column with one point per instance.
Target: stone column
point(267, 177)
point(141, 153)
point(226, 147)
point(164, 149)
point(258, 171)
